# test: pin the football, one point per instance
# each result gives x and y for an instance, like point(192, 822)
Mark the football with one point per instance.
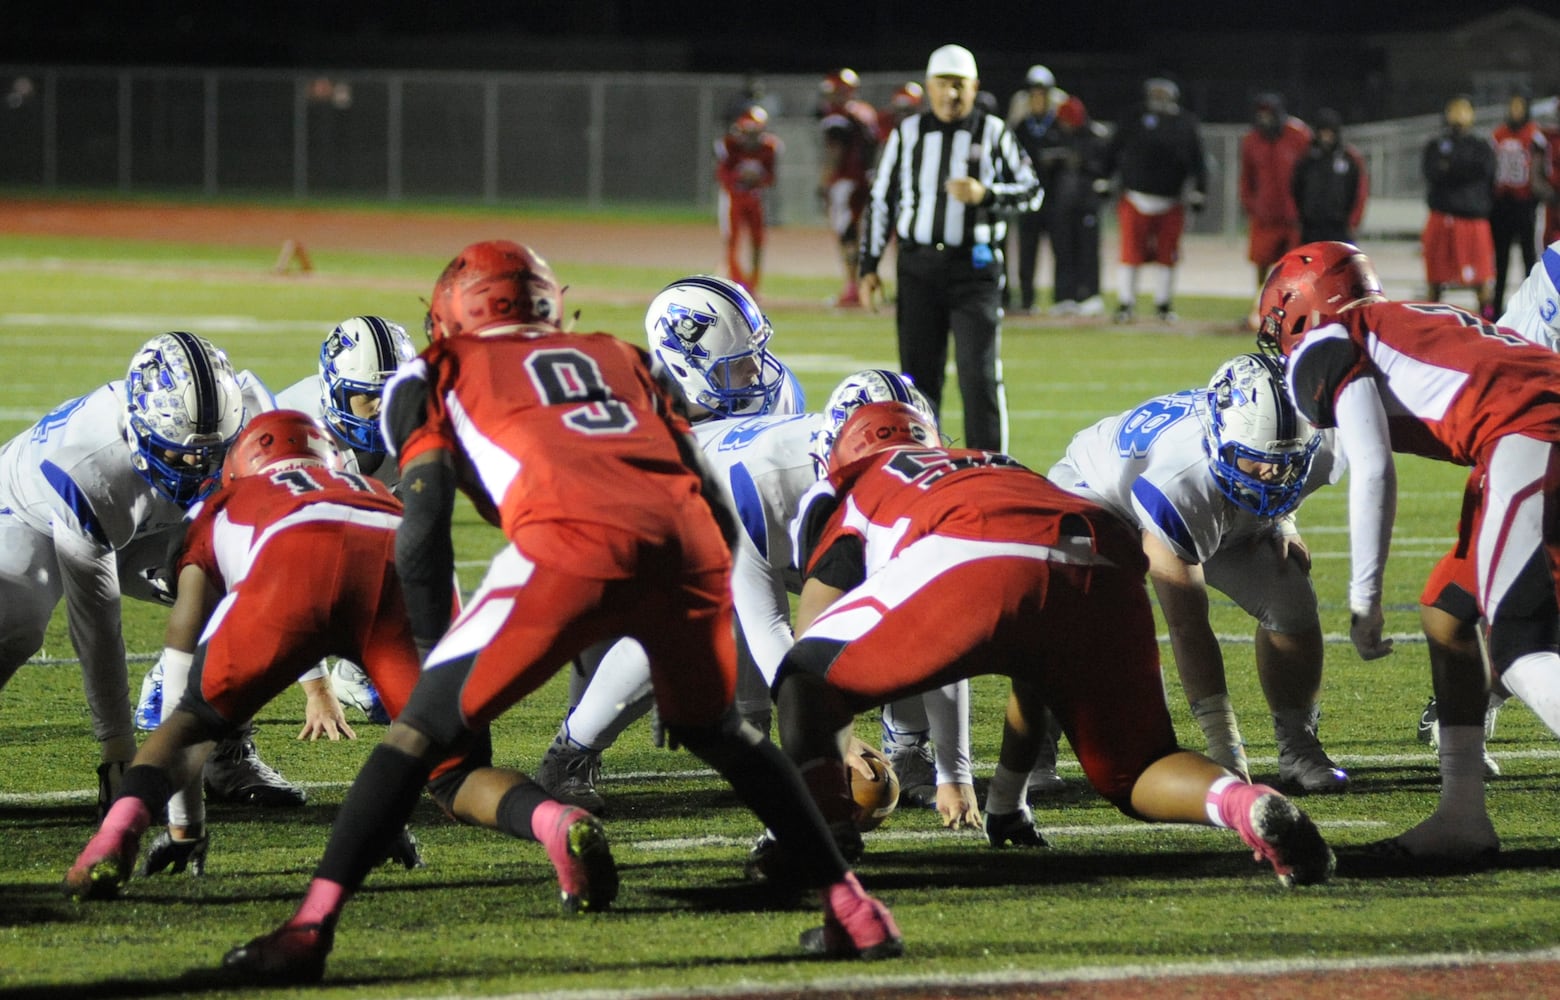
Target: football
point(877, 796)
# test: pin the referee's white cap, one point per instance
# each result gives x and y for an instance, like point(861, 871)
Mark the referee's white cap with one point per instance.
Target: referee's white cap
point(952, 60)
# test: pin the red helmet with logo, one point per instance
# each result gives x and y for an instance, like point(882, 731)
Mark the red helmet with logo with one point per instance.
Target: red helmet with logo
point(279, 439)
point(1309, 283)
point(877, 427)
point(839, 86)
point(494, 283)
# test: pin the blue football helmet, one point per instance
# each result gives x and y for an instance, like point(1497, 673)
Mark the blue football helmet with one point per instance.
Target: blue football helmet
point(711, 336)
point(357, 359)
point(183, 409)
point(1247, 415)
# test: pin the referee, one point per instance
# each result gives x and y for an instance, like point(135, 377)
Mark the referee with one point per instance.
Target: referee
point(947, 180)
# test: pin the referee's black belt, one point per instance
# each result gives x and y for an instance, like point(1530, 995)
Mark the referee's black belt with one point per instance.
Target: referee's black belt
point(953, 251)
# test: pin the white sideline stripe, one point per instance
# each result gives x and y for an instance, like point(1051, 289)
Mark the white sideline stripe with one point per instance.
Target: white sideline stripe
point(1425, 757)
point(963, 981)
point(226, 325)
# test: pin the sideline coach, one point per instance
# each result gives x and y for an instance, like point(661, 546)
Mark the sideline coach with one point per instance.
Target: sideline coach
point(947, 181)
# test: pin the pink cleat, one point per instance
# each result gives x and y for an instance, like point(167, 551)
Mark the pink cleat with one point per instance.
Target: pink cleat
point(578, 849)
point(1278, 832)
point(103, 868)
point(854, 925)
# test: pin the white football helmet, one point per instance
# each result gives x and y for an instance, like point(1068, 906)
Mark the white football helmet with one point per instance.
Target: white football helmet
point(1247, 416)
point(870, 385)
point(184, 407)
point(358, 358)
point(711, 336)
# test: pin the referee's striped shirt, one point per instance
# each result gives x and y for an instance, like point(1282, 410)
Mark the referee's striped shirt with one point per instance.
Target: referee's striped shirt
point(908, 197)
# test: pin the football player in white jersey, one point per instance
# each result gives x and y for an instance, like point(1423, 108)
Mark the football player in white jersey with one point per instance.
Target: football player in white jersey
point(92, 504)
point(356, 360)
point(1212, 477)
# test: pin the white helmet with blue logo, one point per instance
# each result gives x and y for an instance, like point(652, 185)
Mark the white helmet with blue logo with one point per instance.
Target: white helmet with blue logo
point(1247, 416)
point(183, 409)
point(710, 334)
point(357, 359)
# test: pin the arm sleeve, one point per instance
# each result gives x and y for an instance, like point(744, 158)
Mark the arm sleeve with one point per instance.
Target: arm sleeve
point(762, 607)
point(1364, 438)
point(948, 718)
point(424, 551)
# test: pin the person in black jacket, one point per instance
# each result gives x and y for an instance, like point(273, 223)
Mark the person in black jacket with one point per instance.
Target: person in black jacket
point(1459, 169)
point(1157, 149)
point(1329, 184)
point(1037, 132)
point(1079, 161)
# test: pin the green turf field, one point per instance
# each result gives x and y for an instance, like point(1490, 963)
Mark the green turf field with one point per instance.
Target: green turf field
point(482, 918)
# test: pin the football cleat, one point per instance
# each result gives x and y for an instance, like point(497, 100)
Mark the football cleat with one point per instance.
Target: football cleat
point(1429, 731)
point(1279, 833)
point(854, 925)
point(286, 955)
point(1427, 723)
point(768, 861)
point(148, 709)
point(405, 851)
point(917, 773)
point(569, 774)
point(103, 868)
point(352, 687)
point(109, 774)
point(587, 874)
point(1312, 773)
point(1017, 828)
point(235, 773)
point(175, 856)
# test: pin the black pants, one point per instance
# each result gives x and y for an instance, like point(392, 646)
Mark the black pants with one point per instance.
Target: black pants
point(1031, 226)
point(1075, 243)
point(1512, 220)
point(939, 291)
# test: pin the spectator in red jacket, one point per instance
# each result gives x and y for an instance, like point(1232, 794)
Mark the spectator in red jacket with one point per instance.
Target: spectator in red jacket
point(1521, 183)
point(1268, 154)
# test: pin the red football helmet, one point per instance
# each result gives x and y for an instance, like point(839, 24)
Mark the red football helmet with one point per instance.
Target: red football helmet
point(907, 98)
point(878, 427)
point(275, 437)
point(751, 122)
point(839, 87)
point(1317, 280)
point(497, 282)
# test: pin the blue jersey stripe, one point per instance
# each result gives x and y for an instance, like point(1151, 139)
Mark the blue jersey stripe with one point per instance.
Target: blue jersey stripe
point(1163, 513)
point(74, 499)
point(1552, 265)
point(750, 509)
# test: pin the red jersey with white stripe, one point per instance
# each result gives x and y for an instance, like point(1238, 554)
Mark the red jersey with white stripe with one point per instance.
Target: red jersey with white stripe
point(237, 522)
point(1452, 384)
point(909, 493)
point(553, 428)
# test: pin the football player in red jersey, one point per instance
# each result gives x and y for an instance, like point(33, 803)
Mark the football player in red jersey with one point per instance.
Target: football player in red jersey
point(849, 127)
point(292, 560)
point(908, 99)
point(745, 168)
point(903, 529)
point(570, 445)
point(1434, 380)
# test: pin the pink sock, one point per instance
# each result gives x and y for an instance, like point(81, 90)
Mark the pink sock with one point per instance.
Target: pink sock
point(1229, 802)
point(321, 903)
point(127, 819)
point(544, 821)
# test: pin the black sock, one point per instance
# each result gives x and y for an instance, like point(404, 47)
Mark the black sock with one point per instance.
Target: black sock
point(516, 807)
point(374, 813)
point(148, 783)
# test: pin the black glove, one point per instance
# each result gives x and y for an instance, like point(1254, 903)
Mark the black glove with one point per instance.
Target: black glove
point(176, 855)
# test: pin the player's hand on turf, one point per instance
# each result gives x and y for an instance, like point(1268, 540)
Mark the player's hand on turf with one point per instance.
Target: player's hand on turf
point(1365, 631)
point(956, 805)
point(853, 757)
point(323, 716)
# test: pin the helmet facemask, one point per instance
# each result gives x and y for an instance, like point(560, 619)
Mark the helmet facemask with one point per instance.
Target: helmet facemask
point(1247, 418)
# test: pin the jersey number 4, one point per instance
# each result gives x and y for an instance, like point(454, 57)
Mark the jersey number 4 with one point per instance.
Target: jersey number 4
point(566, 376)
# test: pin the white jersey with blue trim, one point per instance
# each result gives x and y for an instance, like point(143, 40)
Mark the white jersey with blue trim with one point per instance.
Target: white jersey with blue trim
point(791, 399)
point(305, 395)
point(764, 466)
point(1149, 466)
point(1534, 309)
